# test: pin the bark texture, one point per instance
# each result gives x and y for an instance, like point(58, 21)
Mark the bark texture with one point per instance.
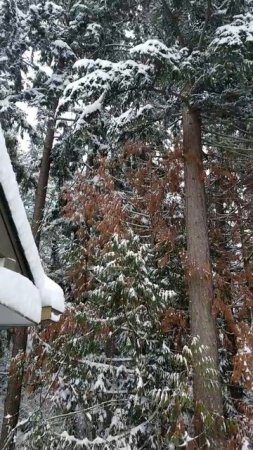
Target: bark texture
point(13, 395)
point(41, 192)
point(199, 278)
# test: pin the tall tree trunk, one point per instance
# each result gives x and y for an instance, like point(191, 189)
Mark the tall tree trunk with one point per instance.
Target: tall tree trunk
point(13, 395)
point(41, 192)
point(200, 286)
point(15, 380)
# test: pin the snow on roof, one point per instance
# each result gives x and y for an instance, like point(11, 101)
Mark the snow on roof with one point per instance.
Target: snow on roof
point(50, 293)
point(19, 293)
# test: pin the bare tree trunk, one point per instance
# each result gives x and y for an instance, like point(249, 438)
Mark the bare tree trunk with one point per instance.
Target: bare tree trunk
point(200, 286)
point(13, 395)
point(15, 380)
point(41, 192)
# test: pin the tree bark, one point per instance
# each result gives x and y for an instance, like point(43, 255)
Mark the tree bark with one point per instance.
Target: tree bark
point(200, 286)
point(41, 192)
point(15, 380)
point(13, 395)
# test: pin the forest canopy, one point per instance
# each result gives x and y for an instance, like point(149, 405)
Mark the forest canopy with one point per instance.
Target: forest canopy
point(129, 126)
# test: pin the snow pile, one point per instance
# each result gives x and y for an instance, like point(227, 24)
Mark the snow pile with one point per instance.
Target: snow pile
point(50, 293)
point(20, 294)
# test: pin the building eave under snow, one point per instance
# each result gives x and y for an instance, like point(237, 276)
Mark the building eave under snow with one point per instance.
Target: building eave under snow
point(25, 289)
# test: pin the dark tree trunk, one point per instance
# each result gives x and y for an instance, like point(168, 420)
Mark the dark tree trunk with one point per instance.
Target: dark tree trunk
point(13, 395)
point(199, 277)
point(41, 192)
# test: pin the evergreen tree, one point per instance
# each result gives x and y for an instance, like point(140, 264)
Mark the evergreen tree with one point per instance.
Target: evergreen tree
point(126, 91)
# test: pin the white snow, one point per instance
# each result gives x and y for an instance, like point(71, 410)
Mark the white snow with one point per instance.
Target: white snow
point(131, 114)
point(245, 444)
point(55, 317)
point(51, 290)
point(50, 293)
point(20, 294)
point(102, 73)
point(61, 44)
point(247, 350)
point(90, 109)
point(155, 48)
point(236, 33)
